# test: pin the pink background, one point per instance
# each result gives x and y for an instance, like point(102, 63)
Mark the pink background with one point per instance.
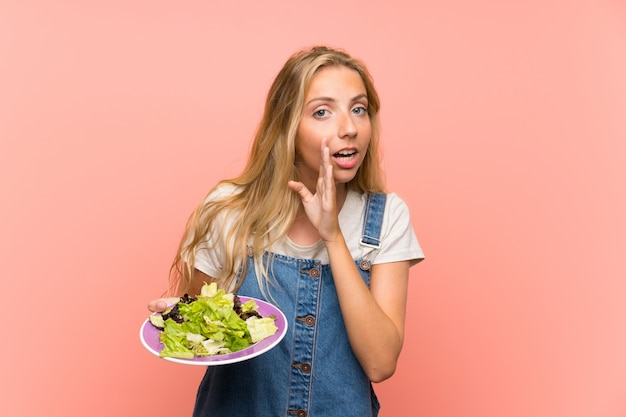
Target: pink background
point(504, 129)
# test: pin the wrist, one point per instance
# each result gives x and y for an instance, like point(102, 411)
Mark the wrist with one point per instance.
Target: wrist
point(335, 242)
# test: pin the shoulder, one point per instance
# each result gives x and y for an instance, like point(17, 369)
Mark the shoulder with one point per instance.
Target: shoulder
point(396, 205)
point(398, 236)
point(222, 190)
point(396, 218)
point(356, 202)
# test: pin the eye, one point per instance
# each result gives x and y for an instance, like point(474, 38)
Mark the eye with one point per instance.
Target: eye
point(361, 110)
point(320, 113)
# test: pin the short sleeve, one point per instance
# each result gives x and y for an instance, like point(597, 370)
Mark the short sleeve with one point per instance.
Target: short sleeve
point(398, 239)
point(208, 256)
point(208, 261)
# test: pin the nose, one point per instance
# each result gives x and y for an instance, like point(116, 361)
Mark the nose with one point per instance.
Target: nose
point(347, 127)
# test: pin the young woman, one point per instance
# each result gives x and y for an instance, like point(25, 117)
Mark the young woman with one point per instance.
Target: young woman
point(308, 227)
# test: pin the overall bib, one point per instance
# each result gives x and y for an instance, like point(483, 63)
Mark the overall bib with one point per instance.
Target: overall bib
point(312, 372)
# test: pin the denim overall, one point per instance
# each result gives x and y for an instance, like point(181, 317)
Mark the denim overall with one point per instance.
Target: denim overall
point(312, 372)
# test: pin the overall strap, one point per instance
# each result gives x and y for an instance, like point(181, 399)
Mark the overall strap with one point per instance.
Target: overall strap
point(372, 224)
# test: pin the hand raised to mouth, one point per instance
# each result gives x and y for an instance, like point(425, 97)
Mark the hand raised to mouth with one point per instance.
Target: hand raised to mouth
point(321, 207)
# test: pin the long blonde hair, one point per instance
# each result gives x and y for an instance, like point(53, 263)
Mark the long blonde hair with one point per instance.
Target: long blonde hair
point(263, 207)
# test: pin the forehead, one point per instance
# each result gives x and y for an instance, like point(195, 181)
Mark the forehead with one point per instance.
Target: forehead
point(335, 79)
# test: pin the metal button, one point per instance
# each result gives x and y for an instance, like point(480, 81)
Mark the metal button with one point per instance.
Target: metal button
point(301, 413)
point(365, 265)
point(250, 251)
point(308, 320)
point(314, 272)
point(304, 367)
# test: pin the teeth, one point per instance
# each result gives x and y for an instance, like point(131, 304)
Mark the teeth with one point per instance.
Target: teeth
point(345, 153)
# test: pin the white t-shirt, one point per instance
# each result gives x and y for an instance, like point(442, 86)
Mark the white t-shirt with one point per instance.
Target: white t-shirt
point(397, 237)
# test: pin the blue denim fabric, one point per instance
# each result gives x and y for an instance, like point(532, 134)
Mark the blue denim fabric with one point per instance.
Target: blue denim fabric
point(371, 230)
point(313, 371)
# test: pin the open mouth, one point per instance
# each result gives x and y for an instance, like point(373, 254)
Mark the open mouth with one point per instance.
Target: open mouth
point(345, 154)
point(346, 158)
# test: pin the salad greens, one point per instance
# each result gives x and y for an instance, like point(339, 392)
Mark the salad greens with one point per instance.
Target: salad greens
point(213, 323)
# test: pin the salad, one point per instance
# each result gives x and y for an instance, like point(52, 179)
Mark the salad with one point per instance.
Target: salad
point(213, 323)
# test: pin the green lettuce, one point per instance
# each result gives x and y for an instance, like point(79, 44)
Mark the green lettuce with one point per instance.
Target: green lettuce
point(210, 326)
point(260, 328)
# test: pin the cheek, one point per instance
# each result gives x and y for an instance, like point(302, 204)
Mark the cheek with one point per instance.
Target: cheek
point(307, 139)
point(366, 133)
point(367, 128)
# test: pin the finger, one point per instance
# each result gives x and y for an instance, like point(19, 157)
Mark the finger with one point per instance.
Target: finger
point(330, 184)
point(325, 169)
point(324, 156)
point(322, 168)
point(301, 189)
point(327, 191)
point(325, 153)
point(156, 306)
point(321, 182)
point(161, 304)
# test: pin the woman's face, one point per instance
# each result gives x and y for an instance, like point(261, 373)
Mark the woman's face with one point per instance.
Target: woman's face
point(335, 108)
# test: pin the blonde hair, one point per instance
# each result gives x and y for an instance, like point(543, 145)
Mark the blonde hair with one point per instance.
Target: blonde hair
point(263, 207)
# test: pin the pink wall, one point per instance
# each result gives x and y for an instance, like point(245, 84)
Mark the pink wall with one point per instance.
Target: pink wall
point(504, 129)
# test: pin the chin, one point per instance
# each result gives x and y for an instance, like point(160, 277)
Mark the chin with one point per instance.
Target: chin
point(344, 179)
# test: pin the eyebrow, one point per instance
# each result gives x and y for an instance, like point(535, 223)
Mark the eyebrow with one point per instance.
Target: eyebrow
point(330, 99)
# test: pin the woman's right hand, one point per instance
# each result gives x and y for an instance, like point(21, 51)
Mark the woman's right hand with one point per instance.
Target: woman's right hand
point(160, 304)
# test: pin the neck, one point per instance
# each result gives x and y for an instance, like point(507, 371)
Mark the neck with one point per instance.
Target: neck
point(340, 195)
